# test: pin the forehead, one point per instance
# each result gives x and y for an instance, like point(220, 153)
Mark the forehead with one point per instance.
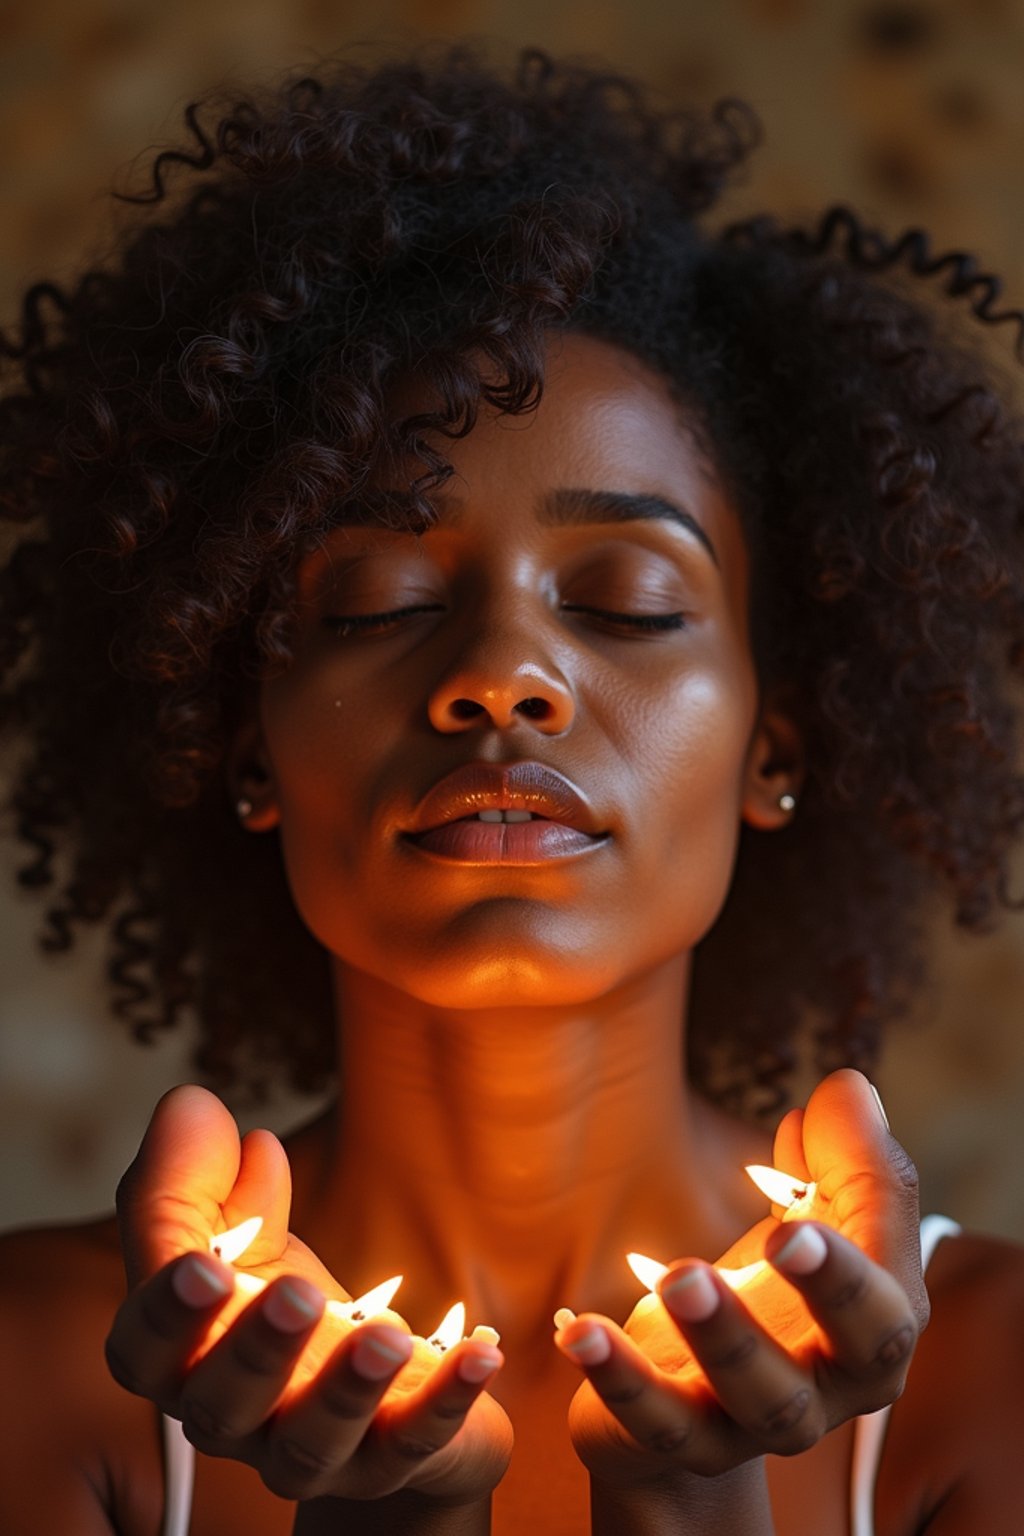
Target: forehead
point(608, 423)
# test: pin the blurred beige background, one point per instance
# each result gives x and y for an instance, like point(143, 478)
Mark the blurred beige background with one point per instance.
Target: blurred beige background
point(912, 111)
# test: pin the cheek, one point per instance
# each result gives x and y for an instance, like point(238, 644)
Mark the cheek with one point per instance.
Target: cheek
point(322, 761)
point(691, 770)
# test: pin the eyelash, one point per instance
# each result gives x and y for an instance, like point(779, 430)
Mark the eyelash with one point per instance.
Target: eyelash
point(345, 625)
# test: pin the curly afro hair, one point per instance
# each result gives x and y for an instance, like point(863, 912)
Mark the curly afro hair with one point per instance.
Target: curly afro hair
point(181, 425)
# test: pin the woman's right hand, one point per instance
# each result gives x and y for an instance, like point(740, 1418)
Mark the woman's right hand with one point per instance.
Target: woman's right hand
point(319, 1407)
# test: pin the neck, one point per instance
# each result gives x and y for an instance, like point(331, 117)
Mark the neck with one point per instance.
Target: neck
point(511, 1157)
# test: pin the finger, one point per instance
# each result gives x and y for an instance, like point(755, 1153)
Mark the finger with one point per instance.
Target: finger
point(417, 1426)
point(162, 1323)
point(788, 1148)
point(866, 1176)
point(170, 1199)
point(654, 1413)
point(262, 1188)
point(235, 1386)
point(866, 1317)
point(319, 1431)
point(761, 1387)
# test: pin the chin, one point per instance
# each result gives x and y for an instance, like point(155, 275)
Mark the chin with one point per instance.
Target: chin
point(511, 978)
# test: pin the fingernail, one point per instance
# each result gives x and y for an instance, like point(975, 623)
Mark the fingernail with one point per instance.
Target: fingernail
point(881, 1106)
point(690, 1294)
point(196, 1282)
point(590, 1348)
point(378, 1355)
point(476, 1367)
point(805, 1251)
point(292, 1306)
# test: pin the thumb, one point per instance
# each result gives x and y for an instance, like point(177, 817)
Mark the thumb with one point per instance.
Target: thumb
point(862, 1171)
point(171, 1198)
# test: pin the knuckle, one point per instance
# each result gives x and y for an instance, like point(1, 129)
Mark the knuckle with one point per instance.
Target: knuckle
point(899, 1346)
point(903, 1170)
point(202, 1425)
point(252, 1360)
point(303, 1462)
point(851, 1293)
point(414, 1447)
point(346, 1406)
point(621, 1397)
point(736, 1354)
point(666, 1442)
point(784, 1419)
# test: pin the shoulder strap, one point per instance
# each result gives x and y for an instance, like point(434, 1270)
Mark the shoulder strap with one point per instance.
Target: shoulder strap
point(869, 1429)
point(179, 1478)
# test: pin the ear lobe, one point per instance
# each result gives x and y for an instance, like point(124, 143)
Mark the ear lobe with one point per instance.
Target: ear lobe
point(250, 779)
point(774, 772)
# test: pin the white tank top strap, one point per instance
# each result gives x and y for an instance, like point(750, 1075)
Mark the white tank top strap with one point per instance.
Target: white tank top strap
point(179, 1477)
point(869, 1429)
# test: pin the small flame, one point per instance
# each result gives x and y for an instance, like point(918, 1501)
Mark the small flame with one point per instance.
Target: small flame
point(781, 1188)
point(648, 1271)
point(450, 1329)
point(231, 1244)
point(734, 1278)
point(369, 1304)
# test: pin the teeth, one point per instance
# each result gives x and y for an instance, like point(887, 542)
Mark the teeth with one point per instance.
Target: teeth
point(496, 816)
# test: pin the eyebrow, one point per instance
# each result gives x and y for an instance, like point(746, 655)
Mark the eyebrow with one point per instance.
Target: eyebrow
point(570, 505)
point(576, 505)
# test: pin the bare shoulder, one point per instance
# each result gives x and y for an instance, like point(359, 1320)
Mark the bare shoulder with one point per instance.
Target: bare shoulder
point(67, 1430)
point(953, 1460)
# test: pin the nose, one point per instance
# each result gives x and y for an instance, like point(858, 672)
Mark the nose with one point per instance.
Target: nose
point(502, 680)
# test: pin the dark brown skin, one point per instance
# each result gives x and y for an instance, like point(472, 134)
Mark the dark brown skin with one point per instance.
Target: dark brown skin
point(515, 1116)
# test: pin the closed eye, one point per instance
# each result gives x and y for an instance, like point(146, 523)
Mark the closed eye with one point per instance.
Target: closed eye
point(345, 624)
point(641, 621)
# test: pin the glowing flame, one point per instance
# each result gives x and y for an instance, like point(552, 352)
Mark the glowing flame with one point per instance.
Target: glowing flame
point(450, 1329)
point(781, 1188)
point(648, 1271)
point(231, 1244)
point(369, 1304)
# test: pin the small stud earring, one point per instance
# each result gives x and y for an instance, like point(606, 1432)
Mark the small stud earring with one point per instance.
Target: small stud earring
point(243, 808)
point(787, 803)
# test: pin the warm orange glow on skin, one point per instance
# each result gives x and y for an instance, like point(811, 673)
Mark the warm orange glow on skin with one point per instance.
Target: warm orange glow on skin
point(230, 1245)
point(796, 1195)
point(649, 1271)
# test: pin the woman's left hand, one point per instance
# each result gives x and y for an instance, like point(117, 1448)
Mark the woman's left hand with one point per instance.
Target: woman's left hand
point(708, 1377)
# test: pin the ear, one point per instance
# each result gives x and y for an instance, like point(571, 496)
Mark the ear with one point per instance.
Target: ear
point(775, 768)
point(250, 778)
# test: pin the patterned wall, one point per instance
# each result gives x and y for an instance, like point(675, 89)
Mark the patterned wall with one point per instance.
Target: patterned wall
point(911, 109)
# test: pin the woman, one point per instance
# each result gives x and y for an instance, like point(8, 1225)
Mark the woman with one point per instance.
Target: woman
point(482, 622)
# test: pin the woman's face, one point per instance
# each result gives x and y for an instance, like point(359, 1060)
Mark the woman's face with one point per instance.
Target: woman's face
point(570, 643)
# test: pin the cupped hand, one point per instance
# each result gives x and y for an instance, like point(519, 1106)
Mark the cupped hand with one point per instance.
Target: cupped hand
point(319, 1406)
point(706, 1376)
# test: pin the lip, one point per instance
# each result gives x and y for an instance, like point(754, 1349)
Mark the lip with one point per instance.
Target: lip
point(565, 824)
point(522, 786)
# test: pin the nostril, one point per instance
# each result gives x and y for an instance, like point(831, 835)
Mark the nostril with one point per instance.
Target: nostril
point(534, 709)
point(466, 709)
